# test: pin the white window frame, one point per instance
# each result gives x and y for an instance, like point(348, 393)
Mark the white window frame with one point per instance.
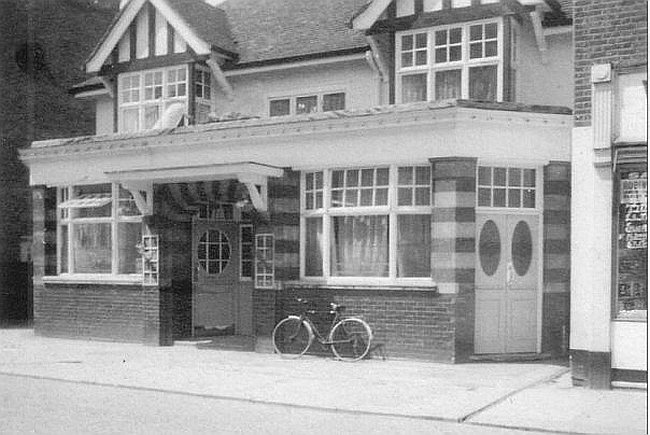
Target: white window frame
point(538, 187)
point(141, 104)
point(391, 210)
point(64, 218)
point(320, 94)
point(243, 260)
point(264, 253)
point(202, 72)
point(464, 64)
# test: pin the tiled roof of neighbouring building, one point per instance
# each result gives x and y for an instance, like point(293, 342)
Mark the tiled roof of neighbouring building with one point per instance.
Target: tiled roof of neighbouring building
point(278, 29)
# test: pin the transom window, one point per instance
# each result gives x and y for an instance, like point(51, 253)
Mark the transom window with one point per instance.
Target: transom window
point(302, 104)
point(370, 222)
point(506, 187)
point(99, 230)
point(459, 61)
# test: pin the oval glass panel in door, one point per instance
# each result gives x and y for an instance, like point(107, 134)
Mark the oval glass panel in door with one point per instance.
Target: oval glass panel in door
point(489, 247)
point(522, 248)
point(213, 252)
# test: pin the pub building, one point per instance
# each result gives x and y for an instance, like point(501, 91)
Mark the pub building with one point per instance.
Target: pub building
point(408, 159)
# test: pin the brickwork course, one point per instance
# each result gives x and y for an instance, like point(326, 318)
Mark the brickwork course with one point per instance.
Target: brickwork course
point(606, 31)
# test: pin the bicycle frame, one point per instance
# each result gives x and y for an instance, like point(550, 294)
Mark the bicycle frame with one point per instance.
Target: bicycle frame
point(319, 337)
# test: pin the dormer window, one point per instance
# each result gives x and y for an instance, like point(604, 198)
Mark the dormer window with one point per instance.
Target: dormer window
point(145, 95)
point(454, 61)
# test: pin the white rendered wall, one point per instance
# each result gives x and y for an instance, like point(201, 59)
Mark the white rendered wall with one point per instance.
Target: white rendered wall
point(591, 247)
point(630, 345)
point(252, 91)
point(104, 116)
point(549, 83)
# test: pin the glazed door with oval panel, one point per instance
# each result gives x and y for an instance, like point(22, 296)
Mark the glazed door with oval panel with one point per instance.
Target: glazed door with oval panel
point(506, 283)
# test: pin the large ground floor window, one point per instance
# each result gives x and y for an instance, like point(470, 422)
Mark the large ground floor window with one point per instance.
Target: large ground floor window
point(632, 244)
point(367, 223)
point(99, 230)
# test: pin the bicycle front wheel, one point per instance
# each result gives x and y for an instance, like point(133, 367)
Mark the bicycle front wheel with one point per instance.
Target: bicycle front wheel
point(292, 337)
point(350, 339)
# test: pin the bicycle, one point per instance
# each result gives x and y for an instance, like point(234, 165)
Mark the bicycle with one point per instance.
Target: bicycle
point(349, 337)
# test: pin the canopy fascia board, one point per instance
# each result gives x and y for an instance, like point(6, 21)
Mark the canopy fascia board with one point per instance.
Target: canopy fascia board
point(198, 45)
point(253, 175)
point(248, 171)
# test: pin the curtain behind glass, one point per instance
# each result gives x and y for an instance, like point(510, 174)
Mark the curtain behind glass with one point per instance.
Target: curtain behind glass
point(448, 84)
point(314, 247)
point(359, 246)
point(414, 246)
point(483, 83)
point(92, 248)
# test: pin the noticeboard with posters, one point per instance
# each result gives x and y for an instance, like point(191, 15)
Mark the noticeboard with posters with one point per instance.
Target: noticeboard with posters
point(632, 245)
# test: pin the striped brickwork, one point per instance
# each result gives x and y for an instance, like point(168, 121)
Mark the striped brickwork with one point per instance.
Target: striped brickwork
point(557, 256)
point(284, 223)
point(453, 216)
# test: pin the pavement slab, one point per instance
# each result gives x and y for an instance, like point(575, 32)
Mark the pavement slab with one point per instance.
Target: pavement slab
point(525, 395)
point(556, 405)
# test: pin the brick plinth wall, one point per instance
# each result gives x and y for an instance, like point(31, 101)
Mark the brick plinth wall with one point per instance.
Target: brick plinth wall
point(606, 31)
point(557, 257)
point(407, 322)
point(96, 311)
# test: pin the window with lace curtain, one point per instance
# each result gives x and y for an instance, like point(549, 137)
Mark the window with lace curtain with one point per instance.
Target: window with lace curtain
point(450, 62)
point(372, 223)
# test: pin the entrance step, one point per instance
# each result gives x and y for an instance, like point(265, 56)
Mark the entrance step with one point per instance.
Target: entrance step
point(243, 343)
point(511, 357)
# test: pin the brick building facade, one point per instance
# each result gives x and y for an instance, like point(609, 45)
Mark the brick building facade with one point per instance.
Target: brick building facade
point(407, 159)
point(609, 194)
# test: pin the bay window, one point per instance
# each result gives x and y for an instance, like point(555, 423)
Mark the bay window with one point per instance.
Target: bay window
point(454, 61)
point(367, 223)
point(144, 96)
point(99, 229)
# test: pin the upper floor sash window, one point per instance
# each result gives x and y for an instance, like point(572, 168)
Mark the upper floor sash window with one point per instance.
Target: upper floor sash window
point(454, 61)
point(308, 103)
point(145, 95)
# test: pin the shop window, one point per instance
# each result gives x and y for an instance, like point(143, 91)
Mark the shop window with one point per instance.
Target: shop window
point(99, 230)
point(459, 61)
point(264, 261)
point(632, 245)
point(348, 234)
point(506, 187)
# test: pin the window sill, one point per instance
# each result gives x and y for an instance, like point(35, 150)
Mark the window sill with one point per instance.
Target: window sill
point(94, 279)
point(637, 318)
point(419, 285)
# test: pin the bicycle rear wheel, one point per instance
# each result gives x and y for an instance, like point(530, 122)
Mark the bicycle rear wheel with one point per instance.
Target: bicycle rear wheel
point(292, 337)
point(350, 339)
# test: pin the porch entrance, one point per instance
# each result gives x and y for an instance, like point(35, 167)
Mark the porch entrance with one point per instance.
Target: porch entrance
point(219, 296)
point(507, 292)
